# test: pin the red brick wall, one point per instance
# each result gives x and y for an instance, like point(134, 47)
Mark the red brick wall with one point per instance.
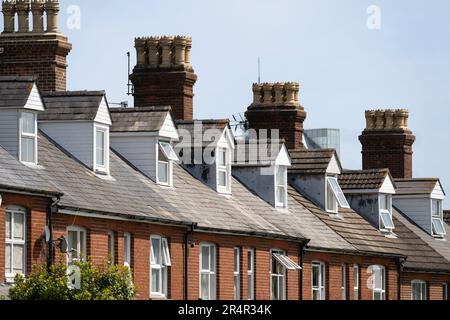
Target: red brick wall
point(43, 56)
point(165, 88)
point(333, 263)
point(35, 223)
point(434, 284)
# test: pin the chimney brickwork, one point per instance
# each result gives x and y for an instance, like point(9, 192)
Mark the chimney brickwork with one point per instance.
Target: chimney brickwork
point(163, 75)
point(387, 142)
point(31, 50)
point(277, 106)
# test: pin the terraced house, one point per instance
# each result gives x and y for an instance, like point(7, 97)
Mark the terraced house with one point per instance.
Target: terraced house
point(196, 212)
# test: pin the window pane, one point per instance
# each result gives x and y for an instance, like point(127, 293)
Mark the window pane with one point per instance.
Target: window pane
point(222, 157)
point(386, 220)
point(331, 200)
point(336, 189)
point(8, 259)
point(8, 225)
point(236, 260)
point(156, 278)
point(250, 287)
point(27, 150)
point(163, 172)
point(438, 227)
point(436, 208)
point(250, 260)
point(168, 151)
point(236, 287)
point(275, 288)
point(377, 296)
point(111, 249)
point(384, 202)
point(28, 123)
point(156, 249)
point(100, 147)
point(222, 178)
point(82, 252)
point(19, 230)
point(316, 295)
point(204, 287)
point(212, 261)
point(281, 176)
point(18, 251)
point(72, 240)
point(166, 253)
point(127, 248)
point(205, 258)
point(315, 276)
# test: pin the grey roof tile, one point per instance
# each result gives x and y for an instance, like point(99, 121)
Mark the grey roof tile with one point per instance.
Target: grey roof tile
point(143, 119)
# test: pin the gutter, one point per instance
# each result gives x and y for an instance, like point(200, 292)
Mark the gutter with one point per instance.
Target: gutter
point(186, 263)
point(29, 191)
point(356, 252)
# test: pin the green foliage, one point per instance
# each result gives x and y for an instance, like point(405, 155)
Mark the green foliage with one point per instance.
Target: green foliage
point(103, 282)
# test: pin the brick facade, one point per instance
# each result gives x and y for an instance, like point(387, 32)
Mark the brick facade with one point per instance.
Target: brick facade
point(435, 284)
point(165, 87)
point(43, 56)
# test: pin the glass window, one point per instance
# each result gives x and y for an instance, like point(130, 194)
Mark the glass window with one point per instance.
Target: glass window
point(277, 278)
point(251, 274)
point(436, 209)
point(318, 281)
point(337, 191)
point(386, 221)
point(111, 248)
point(223, 168)
point(438, 227)
point(168, 151)
point(331, 204)
point(127, 249)
point(281, 186)
point(356, 282)
point(76, 244)
point(344, 282)
point(159, 263)
point(163, 172)
point(28, 138)
point(207, 272)
point(15, 257)
point(437, 218)
point(100, 147)
point(378, 282)
point(237, 274)
point(385, 204)
point(418, 290)
point(445, 291)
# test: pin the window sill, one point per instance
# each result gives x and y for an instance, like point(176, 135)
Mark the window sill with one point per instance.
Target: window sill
point(158, 298)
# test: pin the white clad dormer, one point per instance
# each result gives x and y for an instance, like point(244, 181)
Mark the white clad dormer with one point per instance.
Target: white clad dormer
point(145, 136)
point(20, 103)
point(80, 121)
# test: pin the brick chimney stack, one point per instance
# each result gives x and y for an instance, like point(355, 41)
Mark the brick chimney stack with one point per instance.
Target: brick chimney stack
point(387, 142)
point(34, 51)
point(277, 106)
point(163, 75)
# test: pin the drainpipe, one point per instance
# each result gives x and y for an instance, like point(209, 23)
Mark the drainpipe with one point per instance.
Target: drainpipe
point(186, 256)
point(50, 245)
point(400, 263)
point(300, 274)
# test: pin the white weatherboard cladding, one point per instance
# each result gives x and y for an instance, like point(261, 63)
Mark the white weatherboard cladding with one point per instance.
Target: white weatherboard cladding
point(75, 137)
point(283, 158)
point(9, 130)
point(333, 166)
point(417, 209)
point(387, 187)
point(34, 101)
point(141, 151)
point(226, 140)
point(103, 115)
point(168, 129)
point(438, 192)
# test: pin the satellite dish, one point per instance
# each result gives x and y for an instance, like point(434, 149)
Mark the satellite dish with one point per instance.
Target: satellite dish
point(47, 234)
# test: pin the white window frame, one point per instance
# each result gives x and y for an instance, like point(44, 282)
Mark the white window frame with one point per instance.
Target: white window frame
point(111, 248)
point(382, 290)
point(27, 135)
point(321, 288)
point(12, 210)
point(279, 277)
point(383, 225)
point(223, 168)
point(343, 282)
point(81, 245)
point(127, 249)
point(237, 273)
point(356, 282)
point(337, 194)
point(161, 268)
point(422, 286)
point(98, 167)
point(437, 218)
point(210, 272)
point(283, 186)
point(165, 161)
point(251, 274)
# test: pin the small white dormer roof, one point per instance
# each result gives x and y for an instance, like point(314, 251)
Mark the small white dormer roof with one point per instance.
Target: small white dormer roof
point(103, 116)
point(226, 140)
point(34, 101)
point(283, 158)
point(419, 188)
point(334, 167)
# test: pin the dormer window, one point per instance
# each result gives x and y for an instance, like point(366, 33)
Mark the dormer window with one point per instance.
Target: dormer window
point(28, 137)
point(335, 198)
point(166, 155)
point(101, 149)
point(281, 186)
point(386, 222)
point(223, 170)
point(437, 218)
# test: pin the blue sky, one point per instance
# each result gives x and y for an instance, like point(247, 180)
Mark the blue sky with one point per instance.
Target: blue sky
point(343, 67)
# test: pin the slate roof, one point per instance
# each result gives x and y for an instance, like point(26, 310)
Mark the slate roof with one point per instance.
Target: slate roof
point(363, 179)
point(263, 153)
point(191, 127)
point(143, 119)
point(415, 186)
point(16, 176)
point(15, 91)
point(71, 105)
point(311, 161)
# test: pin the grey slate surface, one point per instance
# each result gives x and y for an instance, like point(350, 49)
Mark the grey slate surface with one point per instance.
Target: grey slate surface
point(311, 161)
point(264, 153)
point(189, 127)
point(363, 179)
point(14, 91)
point(415, 186)
point(71, 105)
point(143, 119)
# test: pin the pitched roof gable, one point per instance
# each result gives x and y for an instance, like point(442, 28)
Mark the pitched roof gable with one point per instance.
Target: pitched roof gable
point(20, 92)
point(312, 161)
